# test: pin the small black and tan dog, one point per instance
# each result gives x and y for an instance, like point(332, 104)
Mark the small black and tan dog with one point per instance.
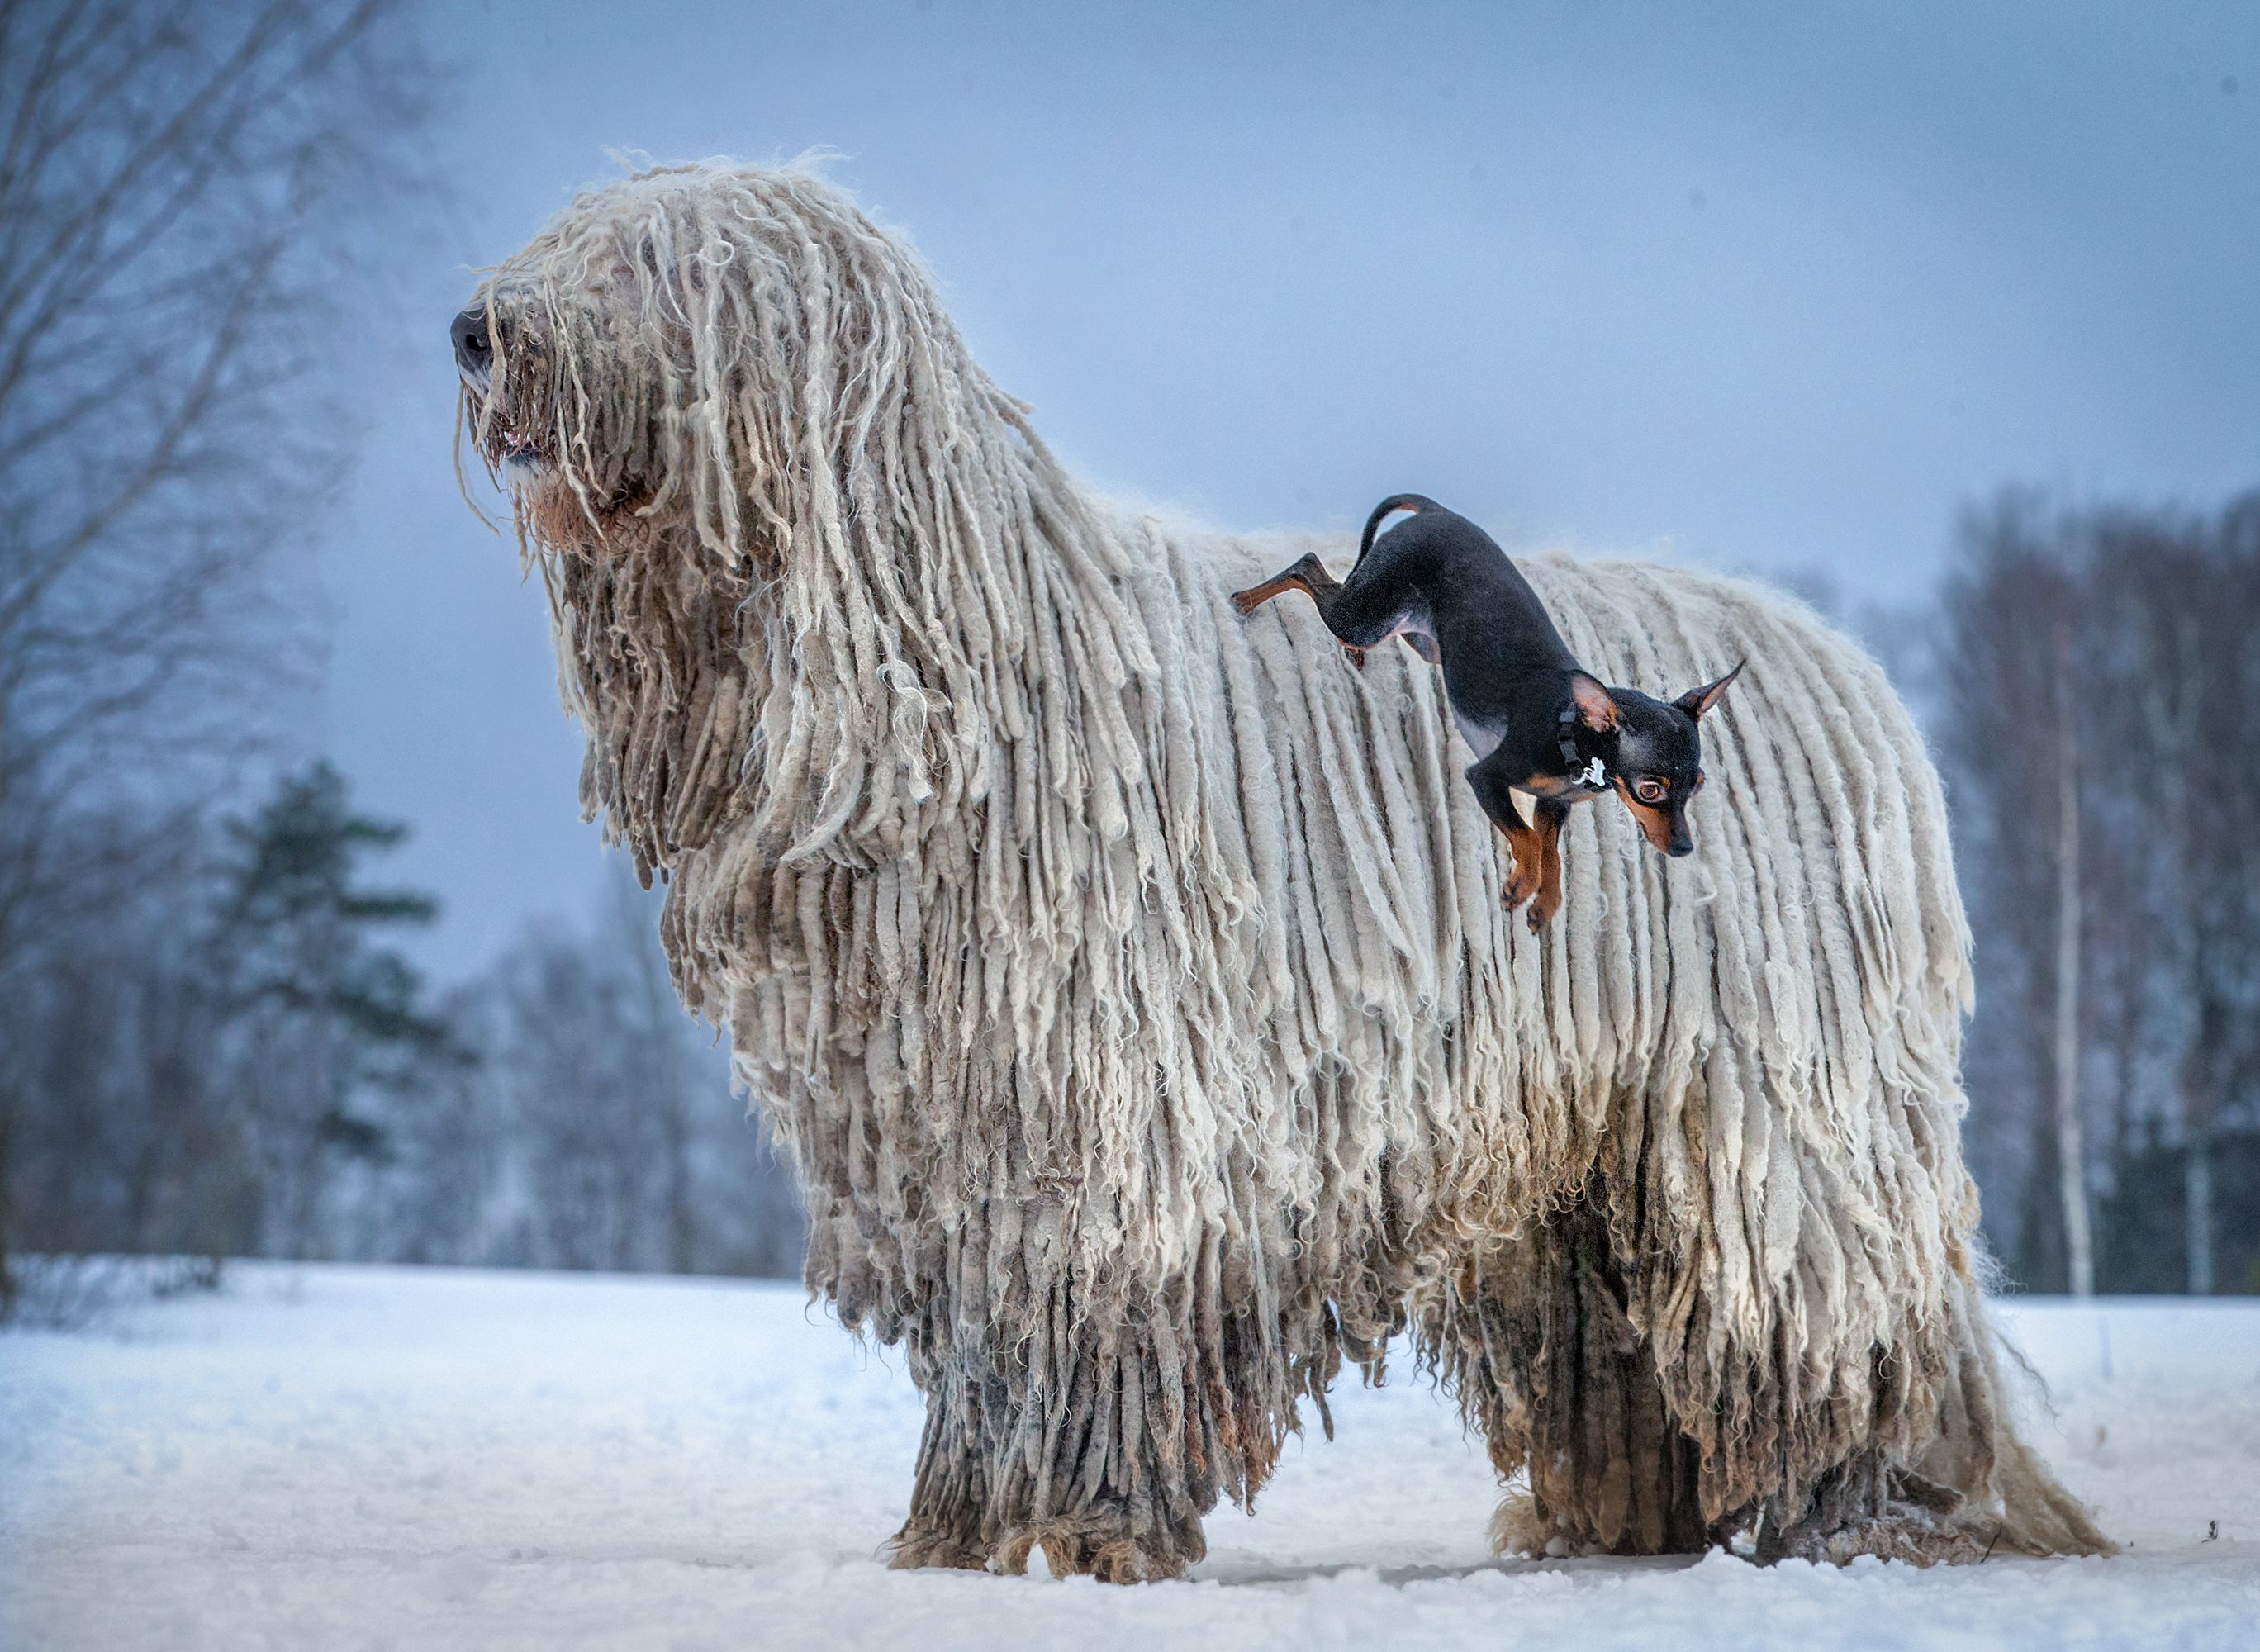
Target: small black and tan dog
point(1539, 723)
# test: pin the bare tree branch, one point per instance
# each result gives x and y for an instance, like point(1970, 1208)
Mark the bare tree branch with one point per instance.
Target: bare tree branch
point(181, 184)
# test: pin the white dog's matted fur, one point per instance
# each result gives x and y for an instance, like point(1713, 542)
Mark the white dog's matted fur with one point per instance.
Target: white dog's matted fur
point(1130, 982)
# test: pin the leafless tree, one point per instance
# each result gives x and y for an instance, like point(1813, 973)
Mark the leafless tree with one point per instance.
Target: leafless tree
point(2064, 1052)
point(179, 183)
point(432, 1197)
point(630, 924)
point(627, 1148)
point(2098, 669)
point(2186, 593)
point(579, 1064)
point(2012, 741)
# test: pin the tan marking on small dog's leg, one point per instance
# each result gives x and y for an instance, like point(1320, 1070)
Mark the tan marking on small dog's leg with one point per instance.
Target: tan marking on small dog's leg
point(1529, 858)
point(1547, 901)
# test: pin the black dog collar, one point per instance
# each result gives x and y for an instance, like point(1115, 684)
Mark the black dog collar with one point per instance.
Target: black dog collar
point(1589, 772)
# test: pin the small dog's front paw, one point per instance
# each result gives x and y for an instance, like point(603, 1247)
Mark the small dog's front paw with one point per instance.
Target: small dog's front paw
point(1517, 889)
point(1542, 912)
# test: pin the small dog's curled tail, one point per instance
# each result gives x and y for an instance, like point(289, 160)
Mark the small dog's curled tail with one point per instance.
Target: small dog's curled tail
point(1396, 501)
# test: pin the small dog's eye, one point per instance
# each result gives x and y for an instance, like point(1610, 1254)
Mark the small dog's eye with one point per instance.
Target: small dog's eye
point(1648, 790)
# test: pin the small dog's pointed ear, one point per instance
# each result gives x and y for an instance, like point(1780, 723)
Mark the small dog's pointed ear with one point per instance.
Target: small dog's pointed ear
point(1595, 709)
point(1695, 702)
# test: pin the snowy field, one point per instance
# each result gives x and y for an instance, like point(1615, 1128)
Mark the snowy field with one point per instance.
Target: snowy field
point(360, 1458)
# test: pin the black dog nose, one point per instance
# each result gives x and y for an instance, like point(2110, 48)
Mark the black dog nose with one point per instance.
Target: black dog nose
point(474, 349)
point(1681, 847)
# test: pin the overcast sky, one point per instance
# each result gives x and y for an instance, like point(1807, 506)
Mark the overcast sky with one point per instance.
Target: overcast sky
point(1774, 286)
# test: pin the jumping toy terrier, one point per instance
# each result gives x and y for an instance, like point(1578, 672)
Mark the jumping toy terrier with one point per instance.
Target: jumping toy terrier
point(1540, 724)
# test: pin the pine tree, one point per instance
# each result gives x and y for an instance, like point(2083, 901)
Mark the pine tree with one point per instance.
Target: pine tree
point(333, 1018)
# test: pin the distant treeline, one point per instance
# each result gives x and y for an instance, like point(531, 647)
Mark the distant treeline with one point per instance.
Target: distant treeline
point(2091, 676)
point(234, 1060)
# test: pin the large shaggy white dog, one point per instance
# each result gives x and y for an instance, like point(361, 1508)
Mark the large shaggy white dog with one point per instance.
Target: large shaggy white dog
point(1131, 986)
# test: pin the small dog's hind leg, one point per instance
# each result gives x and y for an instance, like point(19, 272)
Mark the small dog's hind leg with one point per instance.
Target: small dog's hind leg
point(1306, 574)
point(1346, 616)
point(1256, 595)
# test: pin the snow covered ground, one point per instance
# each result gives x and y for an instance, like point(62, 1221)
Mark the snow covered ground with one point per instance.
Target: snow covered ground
point(359, 1458)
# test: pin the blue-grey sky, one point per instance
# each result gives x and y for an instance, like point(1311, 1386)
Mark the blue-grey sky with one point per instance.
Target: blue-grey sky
point(1778, 287)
